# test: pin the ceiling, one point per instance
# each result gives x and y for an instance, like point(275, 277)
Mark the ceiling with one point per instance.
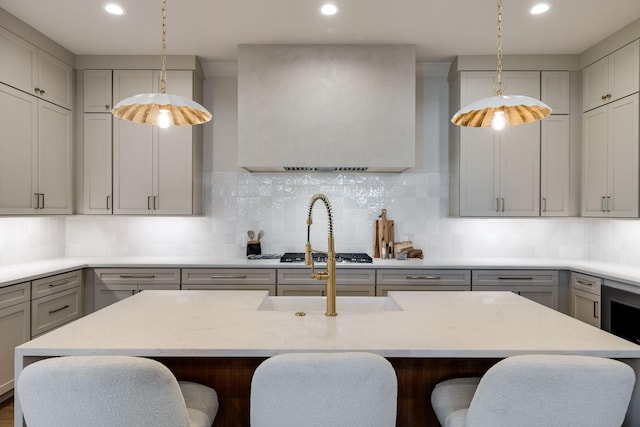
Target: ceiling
point(212, 29)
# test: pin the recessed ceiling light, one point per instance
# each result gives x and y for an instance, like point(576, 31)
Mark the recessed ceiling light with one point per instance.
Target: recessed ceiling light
point(329, 9)
point(114, 9)
point(539, 8)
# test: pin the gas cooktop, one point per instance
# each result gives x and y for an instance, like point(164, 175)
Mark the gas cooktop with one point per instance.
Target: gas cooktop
point(340, 257)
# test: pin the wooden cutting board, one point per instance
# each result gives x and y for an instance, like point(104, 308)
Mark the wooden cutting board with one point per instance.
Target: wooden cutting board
point(383, 236)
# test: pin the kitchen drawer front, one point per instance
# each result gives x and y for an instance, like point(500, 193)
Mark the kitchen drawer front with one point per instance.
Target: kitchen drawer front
point(228, 276)
point(54, 284)
point(137, 275)
point(15, 294)
point(514, 277)
point(425, 277)
point(383, 290)
point(230, 287)
point(55, 310)
point(302, 276)
point(586, 283)
point(319, 289)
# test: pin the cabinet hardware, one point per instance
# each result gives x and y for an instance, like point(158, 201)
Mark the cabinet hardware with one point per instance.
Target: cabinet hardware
point(544, 204)
point(514, 278)
point(502, 200)
point(41, 200)
point(607, 203)
point(137, 276)
point(106, 107)
point(55, 285)
point(36, 201)
point(497, 204)
point(38, 91)
point(109, 202)
point(155, 203)
point(582, 282)
point(148, 203)
point(59, 309)
point(228, 276)
point(423, 277)
point(603, 204)
point(596, 315)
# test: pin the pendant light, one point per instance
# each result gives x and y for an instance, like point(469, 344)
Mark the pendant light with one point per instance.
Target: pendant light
point(161, 109)
point(501, 110)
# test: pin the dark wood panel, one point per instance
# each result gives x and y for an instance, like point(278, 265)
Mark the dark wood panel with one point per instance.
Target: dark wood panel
point(231, 378)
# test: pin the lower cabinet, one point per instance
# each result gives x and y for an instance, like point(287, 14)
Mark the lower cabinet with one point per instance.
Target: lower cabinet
point(422, 280)
point(298, 282)
point(115, 284)
point(221, 279)
point(15, 314)
point(56, 300)
point(585, 298)
point(540, 286)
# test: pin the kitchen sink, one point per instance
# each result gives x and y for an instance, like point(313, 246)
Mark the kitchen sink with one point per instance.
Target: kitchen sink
point(318, 304)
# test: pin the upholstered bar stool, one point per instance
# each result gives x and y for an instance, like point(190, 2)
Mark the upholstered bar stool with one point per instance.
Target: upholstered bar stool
point(538, 390)
point(324, 389)
point(109, 391)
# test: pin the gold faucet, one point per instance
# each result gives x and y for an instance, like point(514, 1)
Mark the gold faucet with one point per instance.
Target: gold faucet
point(328, 276)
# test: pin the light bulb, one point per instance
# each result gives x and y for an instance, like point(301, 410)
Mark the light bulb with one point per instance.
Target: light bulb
point(329, 9)
point(164, 119)
point(499, 120)
point(114, 9)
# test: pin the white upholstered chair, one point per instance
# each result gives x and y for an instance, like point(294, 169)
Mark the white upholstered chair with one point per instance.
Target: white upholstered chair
point(536, 391)
point(109, 391)
point(324, 389)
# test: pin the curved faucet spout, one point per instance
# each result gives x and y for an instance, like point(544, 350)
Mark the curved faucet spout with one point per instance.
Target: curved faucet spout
point(328, 276)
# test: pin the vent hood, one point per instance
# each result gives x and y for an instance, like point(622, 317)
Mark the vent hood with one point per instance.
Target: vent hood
point(326, 108)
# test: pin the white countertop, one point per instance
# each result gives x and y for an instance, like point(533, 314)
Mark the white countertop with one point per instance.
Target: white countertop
point(228, 324)
point(16, 273)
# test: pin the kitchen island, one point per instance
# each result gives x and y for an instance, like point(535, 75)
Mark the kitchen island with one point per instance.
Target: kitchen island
point(219, 337)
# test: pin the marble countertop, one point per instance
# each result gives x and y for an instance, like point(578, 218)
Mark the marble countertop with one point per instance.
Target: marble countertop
point(16, 273)
point(229, 324)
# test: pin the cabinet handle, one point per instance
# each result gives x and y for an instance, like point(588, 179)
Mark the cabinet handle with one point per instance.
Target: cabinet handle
point(41, 198)
point(582, 282)
point(227, 276)
point(603, 204)
point(603, 97)
point(59, 309)
point(544, 204)
point(155, 203)
point(137, 276)
point(502, 200)
point(514, 278)
point(107, 107)
point(109, 202)
point(423, 277)
point(497, 204)
point(607, 203)
point(55, 285)
point(41, 91)
point(148, 203)
point(595, 310)
point(36, 201)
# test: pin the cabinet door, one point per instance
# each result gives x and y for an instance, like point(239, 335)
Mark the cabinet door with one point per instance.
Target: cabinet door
point(622, 178)
point(18, 64)
point(97, 163)
point(520, 170)
point(54, 158)
point(594, 162)
point(107, 294)
point(545, 295)
point(555, 89)
point(595, 84)
point(14, 330)
point(585, 306)
point(554, 168)
point(97, 91)
point(18, 151)
point(624, 71)
point(478, 172)
point(55, 310)
point(54, 80)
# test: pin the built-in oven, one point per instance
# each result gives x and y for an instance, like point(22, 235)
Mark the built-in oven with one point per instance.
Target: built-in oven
point(621, 310)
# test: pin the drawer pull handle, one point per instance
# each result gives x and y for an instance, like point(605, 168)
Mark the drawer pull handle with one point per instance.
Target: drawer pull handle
point(582, 282)
point(228, 276)
point(55, 285)
point(514, 278)
point(596, 315)
point(423, 277)
point(137, 276)
point(59, 309)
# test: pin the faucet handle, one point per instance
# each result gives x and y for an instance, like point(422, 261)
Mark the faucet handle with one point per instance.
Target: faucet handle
point(308, 259)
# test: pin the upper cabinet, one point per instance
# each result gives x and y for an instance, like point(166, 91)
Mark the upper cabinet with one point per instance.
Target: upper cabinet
point(29, 69)
point(612, 77)
point(97, 91)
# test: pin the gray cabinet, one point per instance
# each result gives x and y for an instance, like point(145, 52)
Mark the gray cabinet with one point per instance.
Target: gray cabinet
point(540, 286)
point(114, 284)
point(56, 301)
point(349, 282)
point(422, 280)
point(585, 298)
point(229, 279)
point(14, 328)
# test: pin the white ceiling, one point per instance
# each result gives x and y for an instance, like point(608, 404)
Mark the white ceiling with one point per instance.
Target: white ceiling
point(212, 29)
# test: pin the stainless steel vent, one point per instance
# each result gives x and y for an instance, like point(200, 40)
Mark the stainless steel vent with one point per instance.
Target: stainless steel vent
point(325, 169)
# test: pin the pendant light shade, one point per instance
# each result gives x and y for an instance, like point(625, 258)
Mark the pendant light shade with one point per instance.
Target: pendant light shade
point(501, 110)
point(161, 109)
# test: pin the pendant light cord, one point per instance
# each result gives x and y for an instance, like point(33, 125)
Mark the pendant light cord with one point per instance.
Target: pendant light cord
point(163, 56)
point(499, 86)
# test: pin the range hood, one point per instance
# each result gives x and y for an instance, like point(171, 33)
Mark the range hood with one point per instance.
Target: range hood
point(326, 108)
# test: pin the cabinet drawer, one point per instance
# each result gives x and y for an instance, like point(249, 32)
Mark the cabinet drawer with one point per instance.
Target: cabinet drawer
point(514, 277)
point(586, 283)
point(138, 275)
point(226, 276)
point(422, 277)
point(55, 310)
point(230, 287)
point(53, 284)
point(15, 294)
point(319, 289)
point(302, 276)
point(383, 290)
